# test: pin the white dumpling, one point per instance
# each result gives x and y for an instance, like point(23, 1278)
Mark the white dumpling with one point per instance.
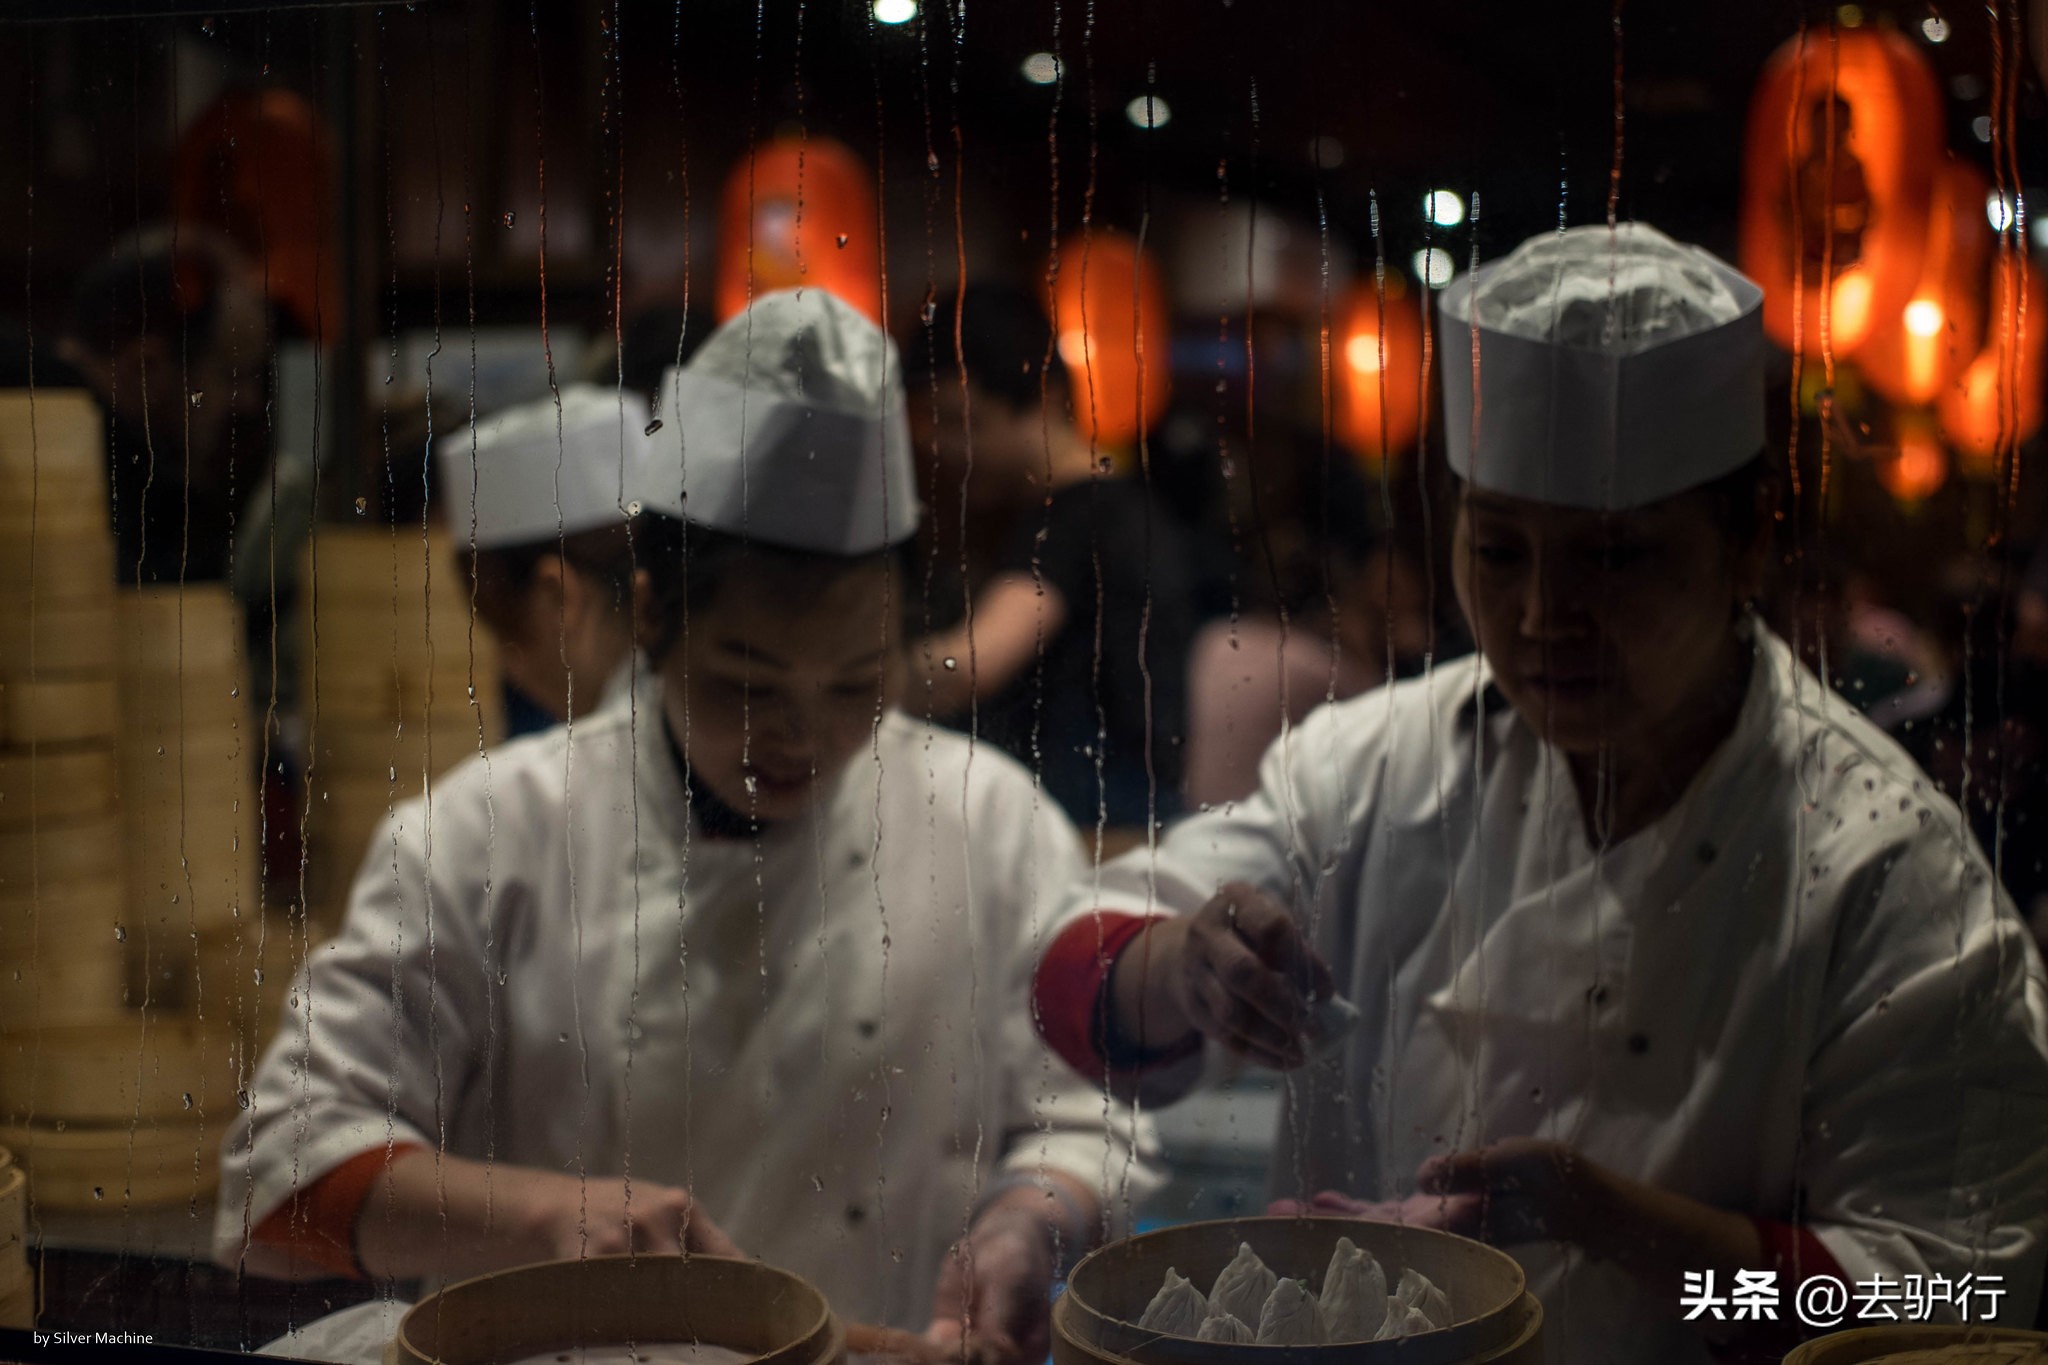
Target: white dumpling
point(1416, 1291)
point(1290, 1317)
point(1243, 1286)
point(1227, 1328)
point(1354, 1298)
point(1402, 1322)
point(1177, 1310)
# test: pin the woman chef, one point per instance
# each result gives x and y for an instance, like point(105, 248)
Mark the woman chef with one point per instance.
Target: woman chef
point(536, 498)
point(1665, 960)
point(745, 961)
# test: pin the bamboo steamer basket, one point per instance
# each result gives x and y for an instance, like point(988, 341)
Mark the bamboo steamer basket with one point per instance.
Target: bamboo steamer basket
point(50, 990)
point(57, 784)
point(348, 757)
point(68, 710)
point(75, 637)
point(55, 569)
point(50, 429)
point(1925, 1344)
point(18, 1310)
point(1095, 1321)
point(181, 631)
point(115, 1073)
point(64, 919)
point(13, 1230)
point(75, 1167)
point(195, 876)
point(34, 491)
point(617, 1301)
point(56, 851)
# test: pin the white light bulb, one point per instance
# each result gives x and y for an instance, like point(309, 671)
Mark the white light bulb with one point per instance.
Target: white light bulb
point(1148, 111)
point(895, 11)
point(1445, 208)
point(1433, 266)
point(1041, 68)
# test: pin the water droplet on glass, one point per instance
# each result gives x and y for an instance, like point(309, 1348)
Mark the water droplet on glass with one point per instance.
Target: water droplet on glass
point(362, 506)
point(842, 241)
point(256, 975)
point(817, 1182)
point(949, 663)
point(120, 933)
point(652, 427)
point(753, 786)
point(188, 1099)
point(197, 398)
point(561, 1037)
point(98, 1193)
point(509, 216)
point(931, 162)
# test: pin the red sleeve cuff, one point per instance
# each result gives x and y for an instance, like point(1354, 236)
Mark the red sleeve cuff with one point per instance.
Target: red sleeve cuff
point(1070, 996)
point(318, 1223)
point(1792, 1249)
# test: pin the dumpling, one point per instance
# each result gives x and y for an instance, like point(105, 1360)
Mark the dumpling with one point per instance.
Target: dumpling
point(1177, 1310)
point(1243, 1286)
point(1290, 1317)
point(1402, 1322)
point(1227, 1328)
point(1354, 1298)
point(1416, 1291)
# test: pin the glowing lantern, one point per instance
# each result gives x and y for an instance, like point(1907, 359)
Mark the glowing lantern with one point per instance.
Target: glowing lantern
point(1844, 138)
point(799, 211)
point(1997, 402)
point(258, 166)
point(1108, 309)
point(1376, 369)
point(1918, 351)
point(1920, 468)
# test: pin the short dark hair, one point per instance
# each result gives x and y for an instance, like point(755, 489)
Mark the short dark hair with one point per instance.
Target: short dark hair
point(1005, 344)
point(688, 564)
point(500, 575)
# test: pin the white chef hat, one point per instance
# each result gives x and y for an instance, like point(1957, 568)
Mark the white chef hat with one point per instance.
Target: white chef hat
point(789, 427)
point(1616, 367)
point(542, 472)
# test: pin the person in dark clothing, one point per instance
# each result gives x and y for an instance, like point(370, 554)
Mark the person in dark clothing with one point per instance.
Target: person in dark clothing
point(171, 332)
point(1073, 652)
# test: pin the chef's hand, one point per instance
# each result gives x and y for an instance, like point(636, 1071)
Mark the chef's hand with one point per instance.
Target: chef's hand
point(565, 1217)
point(1246, 975)
point(1519, 1190)
point(1416, 1211)
point(992, 1300)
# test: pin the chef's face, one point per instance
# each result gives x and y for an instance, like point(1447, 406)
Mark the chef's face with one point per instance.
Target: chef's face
point(978, 440)
point(1605, 630)
point(777, 684)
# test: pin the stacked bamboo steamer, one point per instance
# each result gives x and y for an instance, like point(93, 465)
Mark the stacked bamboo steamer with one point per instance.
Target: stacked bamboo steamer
point(402, 684)
point(17, 1291)
point(104, 1103)
point(204, 947)
point(62, 894)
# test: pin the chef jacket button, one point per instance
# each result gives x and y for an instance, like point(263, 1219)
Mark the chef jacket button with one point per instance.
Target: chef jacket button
point(1639, 1043)
point(855, 1214)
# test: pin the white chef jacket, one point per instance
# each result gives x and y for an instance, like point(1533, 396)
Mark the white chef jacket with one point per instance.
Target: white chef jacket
point(1800, 993)
point(824, 1035)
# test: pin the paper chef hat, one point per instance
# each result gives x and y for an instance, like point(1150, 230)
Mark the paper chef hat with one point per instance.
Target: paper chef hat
point(540, 473)
point(789, 427)
point(1615, 367)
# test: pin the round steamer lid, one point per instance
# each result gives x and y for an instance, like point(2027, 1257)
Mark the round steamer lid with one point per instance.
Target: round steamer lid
point(58, 568)
point(58, 711)
point(73, 638)
point(50, 429)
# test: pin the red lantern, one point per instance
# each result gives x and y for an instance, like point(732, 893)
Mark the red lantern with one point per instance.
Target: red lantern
point(1917, 352)
point(1997, 402)
point(1376, 369)
point(258, 166)
point(1920, 468)
point(1108, 309)
point(1844, 138)
point(799, 211)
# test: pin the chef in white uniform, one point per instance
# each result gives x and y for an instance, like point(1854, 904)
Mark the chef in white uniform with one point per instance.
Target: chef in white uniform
point(537, 499)
point(744, 961)
point(1665, 959)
